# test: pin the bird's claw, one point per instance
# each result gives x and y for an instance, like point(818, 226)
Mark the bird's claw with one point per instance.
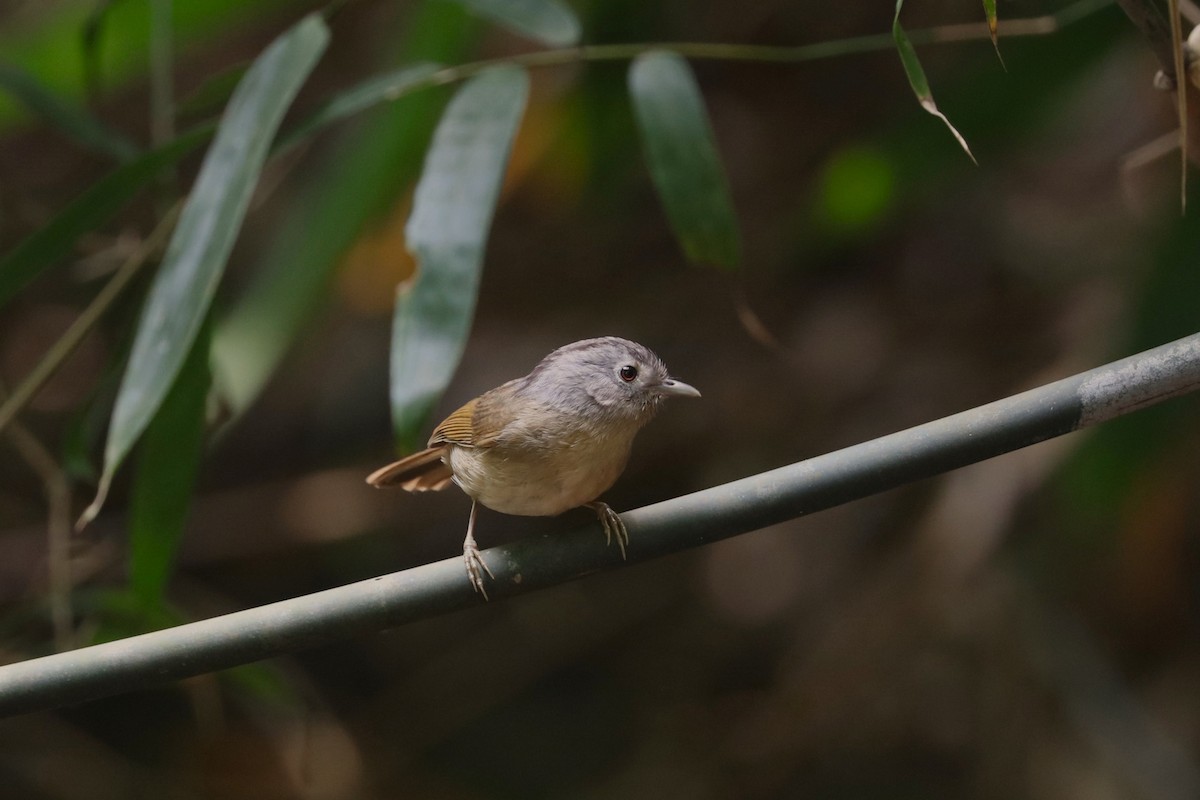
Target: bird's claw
point(476, 566)
point(614, 526)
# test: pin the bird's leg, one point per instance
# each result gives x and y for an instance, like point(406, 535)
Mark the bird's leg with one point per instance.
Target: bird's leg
point(614, 528)
point(474, 558)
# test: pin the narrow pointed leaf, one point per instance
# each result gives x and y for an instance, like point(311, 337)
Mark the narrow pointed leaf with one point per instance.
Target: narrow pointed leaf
point(917, 79)
point(547, 21)
point(167, 462)
point(96, 206)
point(447, 232)
point(72, 120)
point(195, 259)
point(989, 10)
point(362, 178)
point(683, 158)
point(993, 23)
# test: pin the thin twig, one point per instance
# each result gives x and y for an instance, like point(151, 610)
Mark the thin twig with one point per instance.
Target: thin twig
point(58, 353)
point(58, 534)
point(1190, 11)
point(857, 45)
point(1149, 19)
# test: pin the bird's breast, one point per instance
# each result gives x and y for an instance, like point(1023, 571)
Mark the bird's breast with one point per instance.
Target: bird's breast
point(540, 479)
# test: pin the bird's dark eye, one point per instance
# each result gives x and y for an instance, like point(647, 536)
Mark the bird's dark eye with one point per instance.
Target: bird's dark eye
point(628, 373)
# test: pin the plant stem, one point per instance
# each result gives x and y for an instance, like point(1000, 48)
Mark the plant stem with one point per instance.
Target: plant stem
point(1031, 26)
point(58, 529)
point(69, 341)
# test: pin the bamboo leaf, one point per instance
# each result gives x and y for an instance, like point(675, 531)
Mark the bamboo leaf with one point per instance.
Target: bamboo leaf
point(452, 213)
point(167, 463)
point(96, 206)
point(360, 181)
point(547, 21)
point(683, 158)
point(917, 79)
point(195, 259)
point(72, 120)
point(993, 23)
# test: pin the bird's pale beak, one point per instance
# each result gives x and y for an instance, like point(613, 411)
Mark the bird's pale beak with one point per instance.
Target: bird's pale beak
point(674, 388)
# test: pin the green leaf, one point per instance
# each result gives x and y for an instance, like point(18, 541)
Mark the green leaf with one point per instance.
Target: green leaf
point(372, 92)
point(447, 232)
point(51, 43)
point(989, 10)
point(683, 158)
point(96, 206)
point(917, 79)
point(547, 21)
point(167, 462)
point(72, 120)
point(993, 23)
point(208, 225)
point(361, 179)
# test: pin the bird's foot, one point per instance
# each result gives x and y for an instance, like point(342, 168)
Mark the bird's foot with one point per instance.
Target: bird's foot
point(614, 528)
point(476, 566)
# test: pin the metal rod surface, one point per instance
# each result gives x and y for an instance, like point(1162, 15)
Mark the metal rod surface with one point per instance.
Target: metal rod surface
point(535, 562)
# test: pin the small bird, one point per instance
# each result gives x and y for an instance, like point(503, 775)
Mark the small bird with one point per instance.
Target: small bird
point(545, 443)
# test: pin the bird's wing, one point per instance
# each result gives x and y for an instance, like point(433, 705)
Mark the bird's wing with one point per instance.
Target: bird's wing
point(456, 428)
point(480, 422)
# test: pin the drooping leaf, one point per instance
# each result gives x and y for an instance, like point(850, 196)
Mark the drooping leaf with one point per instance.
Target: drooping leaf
point(447, 232)
point(993, 23)
point(96, 206)
point(547, 21)
point(167, 462)
point(683, 158)
point(362, 180)
point(72, 120)
point(195, 259)
point(917, 79)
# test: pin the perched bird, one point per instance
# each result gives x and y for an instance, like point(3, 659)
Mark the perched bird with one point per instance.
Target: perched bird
point(545, 443)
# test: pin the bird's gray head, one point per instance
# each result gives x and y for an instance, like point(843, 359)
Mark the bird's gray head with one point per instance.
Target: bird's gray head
point(609, 375)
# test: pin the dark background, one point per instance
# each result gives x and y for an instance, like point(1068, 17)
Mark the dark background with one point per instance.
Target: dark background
point(1025, 627)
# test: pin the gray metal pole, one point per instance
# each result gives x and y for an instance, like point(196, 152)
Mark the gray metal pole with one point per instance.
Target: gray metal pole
point(668, 527)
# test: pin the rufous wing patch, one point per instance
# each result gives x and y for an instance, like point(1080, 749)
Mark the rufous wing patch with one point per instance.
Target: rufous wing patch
point(456, 428)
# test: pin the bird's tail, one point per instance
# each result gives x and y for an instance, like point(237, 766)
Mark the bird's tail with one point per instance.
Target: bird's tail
point(420, 472)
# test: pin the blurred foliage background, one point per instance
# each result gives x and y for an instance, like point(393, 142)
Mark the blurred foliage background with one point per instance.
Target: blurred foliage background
point(1026, 627)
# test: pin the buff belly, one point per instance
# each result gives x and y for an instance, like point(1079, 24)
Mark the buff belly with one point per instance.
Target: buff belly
point(538, 482)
